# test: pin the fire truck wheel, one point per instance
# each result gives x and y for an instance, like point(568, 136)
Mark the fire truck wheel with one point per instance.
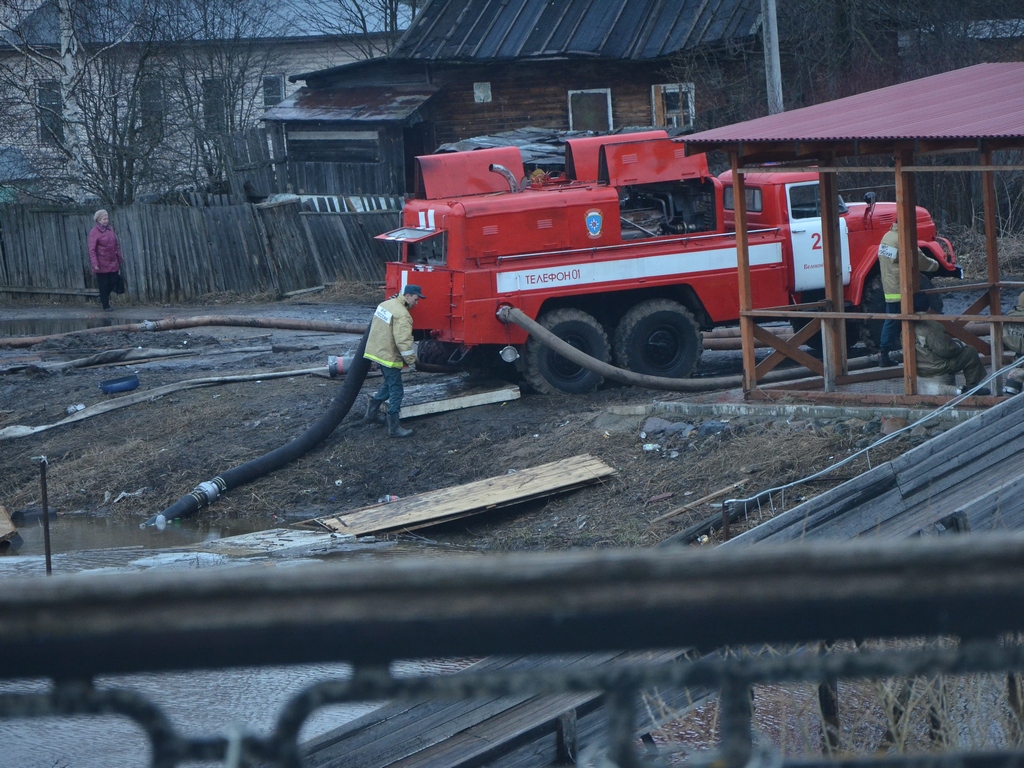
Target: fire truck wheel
point(658, 338)
point(548, 372)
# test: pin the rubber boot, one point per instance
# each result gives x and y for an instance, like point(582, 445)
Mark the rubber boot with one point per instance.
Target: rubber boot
point(395, 429)
point(884, 361)
point(1014, 382)
point(373, 410)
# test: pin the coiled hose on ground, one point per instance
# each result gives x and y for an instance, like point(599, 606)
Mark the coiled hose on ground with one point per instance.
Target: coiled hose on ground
point(206, 493)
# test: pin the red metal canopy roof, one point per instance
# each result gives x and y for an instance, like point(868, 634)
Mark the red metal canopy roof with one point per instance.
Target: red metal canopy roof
point(985, 101)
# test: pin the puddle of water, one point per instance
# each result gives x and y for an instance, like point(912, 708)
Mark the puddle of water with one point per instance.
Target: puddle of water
point(199, 703)
point(94, 541)
point(205, 703)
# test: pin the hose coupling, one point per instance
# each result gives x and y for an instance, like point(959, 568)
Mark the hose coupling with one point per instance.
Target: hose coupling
point(207, 493)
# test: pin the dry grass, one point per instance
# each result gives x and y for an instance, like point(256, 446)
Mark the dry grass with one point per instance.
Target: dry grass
point(893, 715)
point(969, 245)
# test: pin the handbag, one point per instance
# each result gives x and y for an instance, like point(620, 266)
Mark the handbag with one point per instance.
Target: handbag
point(119, 284)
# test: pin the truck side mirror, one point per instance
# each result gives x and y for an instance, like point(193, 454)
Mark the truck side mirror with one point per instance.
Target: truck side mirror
point(869, 198)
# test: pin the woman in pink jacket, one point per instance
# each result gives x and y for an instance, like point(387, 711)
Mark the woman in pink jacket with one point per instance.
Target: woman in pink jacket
point(104, 256)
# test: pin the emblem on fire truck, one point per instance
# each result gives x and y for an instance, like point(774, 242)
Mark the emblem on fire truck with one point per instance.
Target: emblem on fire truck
point(595, 222)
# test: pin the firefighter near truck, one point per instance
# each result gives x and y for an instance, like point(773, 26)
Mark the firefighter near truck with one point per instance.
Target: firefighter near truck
point(627, 256)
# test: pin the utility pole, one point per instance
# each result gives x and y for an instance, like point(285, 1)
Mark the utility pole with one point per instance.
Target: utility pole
point(772, 71)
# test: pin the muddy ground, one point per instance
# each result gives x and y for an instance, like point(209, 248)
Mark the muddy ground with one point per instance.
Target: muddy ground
point(131, 463)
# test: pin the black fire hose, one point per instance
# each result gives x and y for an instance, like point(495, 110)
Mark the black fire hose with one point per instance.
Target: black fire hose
point(206, 493)
point(547, 338)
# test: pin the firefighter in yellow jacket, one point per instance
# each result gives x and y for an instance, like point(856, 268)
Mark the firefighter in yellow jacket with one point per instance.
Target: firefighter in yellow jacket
point(390, 345)
point(889, 266)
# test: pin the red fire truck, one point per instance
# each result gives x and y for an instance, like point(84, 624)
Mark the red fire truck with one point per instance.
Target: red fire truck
point(628, 255)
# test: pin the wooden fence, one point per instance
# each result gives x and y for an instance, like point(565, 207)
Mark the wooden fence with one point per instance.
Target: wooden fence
point(175, 253)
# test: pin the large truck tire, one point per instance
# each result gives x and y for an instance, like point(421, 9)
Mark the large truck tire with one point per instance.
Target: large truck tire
point(548, 372)
point(658, 337)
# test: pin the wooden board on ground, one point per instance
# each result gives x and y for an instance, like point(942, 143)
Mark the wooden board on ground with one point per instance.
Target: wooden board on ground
point(446, 504)
point(486, 397)
point(7, 529)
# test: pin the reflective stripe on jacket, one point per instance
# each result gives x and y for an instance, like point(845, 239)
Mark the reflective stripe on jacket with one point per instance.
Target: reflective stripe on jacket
point(889, 264)
point(390, 340)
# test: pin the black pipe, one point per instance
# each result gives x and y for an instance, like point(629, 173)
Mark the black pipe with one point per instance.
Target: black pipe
point(206, 493)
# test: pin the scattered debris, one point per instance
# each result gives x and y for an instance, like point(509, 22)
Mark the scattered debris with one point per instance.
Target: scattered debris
point(703, 499)
point(661, 497)
point(125, 495)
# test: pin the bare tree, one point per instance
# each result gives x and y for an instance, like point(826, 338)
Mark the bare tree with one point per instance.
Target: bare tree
point(374, 26)
point(837, 49)
point(116, 99)
point(218, 62)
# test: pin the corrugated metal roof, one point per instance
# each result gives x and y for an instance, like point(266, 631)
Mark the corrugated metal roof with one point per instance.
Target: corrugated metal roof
point(985, 101)
point(483, 30)
point(394, 103)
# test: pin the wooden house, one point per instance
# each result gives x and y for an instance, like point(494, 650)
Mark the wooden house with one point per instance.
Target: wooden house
point(471, 67)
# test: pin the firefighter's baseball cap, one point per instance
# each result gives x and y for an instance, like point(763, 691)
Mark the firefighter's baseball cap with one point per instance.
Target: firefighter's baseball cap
point(413, 290)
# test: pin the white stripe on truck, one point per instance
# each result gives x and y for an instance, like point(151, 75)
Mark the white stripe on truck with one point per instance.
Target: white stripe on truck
point(633, 269)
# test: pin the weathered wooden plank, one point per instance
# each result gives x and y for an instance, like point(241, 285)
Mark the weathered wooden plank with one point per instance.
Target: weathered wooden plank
point(448, 503)
point(932, 453)
point(842, 499)
point(390, 728)
point(7, 529)
point(181, 252)
point(88, 292)
point(463, 733)
point(463, 401)
point(976, 496)
point(942, 471)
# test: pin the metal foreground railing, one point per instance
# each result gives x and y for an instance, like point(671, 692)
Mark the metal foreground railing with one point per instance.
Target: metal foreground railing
point(71, 629)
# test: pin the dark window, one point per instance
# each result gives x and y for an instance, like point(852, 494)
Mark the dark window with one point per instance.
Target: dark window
point(152, 107)
point(215, 117)
point(50, 108)
point(590, 110)
point(273, 90)
point(804, 202)
point(429, 251)
point(311, 145)
point(753, 195)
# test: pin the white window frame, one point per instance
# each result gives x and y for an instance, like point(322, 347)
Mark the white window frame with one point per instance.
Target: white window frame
point(608, 100)
point(50, 113)
point(658, 99)
point(279, 79)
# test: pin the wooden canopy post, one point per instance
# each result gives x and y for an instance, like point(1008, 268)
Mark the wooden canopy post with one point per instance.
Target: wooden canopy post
point(833, 331)
point(906, 216)
point(743, 269)
point(995, 303)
